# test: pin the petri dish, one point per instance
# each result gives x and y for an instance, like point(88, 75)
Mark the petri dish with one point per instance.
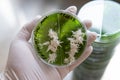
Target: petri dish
point(59, 38)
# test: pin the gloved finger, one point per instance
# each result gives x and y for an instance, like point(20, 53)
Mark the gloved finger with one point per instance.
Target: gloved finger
point(91, 37)
point(72, 9)
point(25, 32)
point(87, 23)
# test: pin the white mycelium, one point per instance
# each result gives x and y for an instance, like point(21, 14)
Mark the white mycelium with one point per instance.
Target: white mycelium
point(52, 34)
point(52, 45)
point(52, 57)
point(78, 36)
point(75, 41)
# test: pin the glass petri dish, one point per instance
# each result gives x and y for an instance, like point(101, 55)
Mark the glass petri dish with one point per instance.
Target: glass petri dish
point(59, 38)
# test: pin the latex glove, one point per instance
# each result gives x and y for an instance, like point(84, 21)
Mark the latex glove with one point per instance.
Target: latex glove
point(22, 62)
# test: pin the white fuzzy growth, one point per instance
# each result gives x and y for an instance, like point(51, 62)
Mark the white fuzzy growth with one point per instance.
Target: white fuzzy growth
point(66, 60)
point(52, 45)
point(72, 40)
point(52, 58)
point(78, 36)
point(52, 34)
point(79, 40)
point(46, 43)
point(75, 41)
point(77, 33)
point(72, 59)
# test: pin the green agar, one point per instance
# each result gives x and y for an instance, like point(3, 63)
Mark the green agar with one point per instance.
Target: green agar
point(63, 23)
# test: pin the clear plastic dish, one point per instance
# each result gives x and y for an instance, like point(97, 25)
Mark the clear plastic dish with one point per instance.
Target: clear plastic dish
point(59, 38)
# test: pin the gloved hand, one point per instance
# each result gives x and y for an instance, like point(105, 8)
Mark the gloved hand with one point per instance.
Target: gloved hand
point(22, 62)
